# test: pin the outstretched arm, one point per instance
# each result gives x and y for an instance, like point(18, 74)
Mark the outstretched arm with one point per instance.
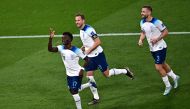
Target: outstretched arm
point(50, 47)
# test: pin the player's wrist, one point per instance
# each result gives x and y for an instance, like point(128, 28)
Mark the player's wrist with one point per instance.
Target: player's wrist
point(160, 38)
point(140, 41)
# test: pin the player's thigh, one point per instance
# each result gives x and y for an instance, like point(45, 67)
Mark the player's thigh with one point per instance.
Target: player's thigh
point(159, 56)
point(89, 73)
point(74, 84)
point(91, 66)
point(102, 63)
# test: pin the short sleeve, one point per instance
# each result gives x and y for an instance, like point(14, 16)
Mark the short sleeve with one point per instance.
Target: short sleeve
point(159, 24)
point(60, 47)
point(92, 33)
point(80, 53)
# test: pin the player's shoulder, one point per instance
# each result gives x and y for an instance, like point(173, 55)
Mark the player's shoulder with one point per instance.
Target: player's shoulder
point(156, 21)
point(143, 20)
point(60, 47)
point(153, 21)
point(87, 28)
point(75, 49)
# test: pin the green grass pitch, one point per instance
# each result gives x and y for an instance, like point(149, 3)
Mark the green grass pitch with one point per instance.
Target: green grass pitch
point(33, 78)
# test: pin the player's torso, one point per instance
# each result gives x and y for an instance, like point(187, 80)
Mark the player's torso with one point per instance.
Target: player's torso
point(151, 30)
point(88, 41)
point(71, 62)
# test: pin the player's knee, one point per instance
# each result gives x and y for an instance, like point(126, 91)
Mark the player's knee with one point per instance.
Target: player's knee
point(91, 78)
point(107, 73)
point(159, 67)
point(73, 91)
point(90, 73)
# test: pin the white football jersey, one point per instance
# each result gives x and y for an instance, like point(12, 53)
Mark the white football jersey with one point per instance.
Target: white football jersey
point(153, 29)
point(87, 34)
point(70, 59)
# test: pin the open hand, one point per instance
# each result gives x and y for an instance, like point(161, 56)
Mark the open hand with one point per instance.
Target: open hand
point(52, 32)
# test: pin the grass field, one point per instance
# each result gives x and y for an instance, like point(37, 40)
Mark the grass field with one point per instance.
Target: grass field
point(33, 78)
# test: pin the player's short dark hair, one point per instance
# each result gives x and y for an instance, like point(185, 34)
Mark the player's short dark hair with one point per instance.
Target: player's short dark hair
point(81, 15)
point(148, 7)
point(68, 34)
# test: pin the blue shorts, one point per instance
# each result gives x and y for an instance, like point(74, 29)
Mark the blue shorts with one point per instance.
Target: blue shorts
point(159, 56)
point(97, 62)
point(74, 82)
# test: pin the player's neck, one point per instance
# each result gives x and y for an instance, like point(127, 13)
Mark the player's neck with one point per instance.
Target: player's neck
point(68, 46)
point(149, 18)
point(82, 26)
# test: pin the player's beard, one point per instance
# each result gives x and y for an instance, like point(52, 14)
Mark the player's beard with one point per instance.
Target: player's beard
point(79, 25)
point(144, 16)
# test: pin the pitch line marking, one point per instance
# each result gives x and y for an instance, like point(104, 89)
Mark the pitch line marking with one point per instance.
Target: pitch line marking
point(77, 35)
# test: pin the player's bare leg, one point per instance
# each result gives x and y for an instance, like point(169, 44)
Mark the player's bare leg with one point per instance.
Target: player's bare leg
point(114, 71)
point(171, 74)
point(162, 71)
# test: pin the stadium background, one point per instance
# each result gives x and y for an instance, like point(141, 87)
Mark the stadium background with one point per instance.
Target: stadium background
point(33, 78)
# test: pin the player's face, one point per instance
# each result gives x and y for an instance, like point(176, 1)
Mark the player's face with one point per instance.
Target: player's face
point(66, 40)
point(145, 13)
point(79, 21)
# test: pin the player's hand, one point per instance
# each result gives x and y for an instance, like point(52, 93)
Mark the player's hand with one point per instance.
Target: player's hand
point(52, 32)
point(87, 51)
point(154, 40)
point(83, 48)
point(140, 43)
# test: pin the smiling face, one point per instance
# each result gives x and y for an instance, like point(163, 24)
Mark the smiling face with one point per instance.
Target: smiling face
point(145, 13)
point(79, 21)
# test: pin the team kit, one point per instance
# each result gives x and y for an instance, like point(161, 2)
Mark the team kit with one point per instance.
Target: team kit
point(92, 54)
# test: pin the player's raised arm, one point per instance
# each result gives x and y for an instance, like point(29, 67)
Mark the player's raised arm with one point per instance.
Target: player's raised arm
point(50, 47)
point(141, 39)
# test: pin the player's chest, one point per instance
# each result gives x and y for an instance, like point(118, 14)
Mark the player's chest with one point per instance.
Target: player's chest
point(84, 36)
point(149, 27)
point(68, 55)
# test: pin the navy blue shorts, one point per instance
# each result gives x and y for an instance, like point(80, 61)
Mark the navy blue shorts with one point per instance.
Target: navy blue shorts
point(159, 56)
point(74, 82)
point(98, 62)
